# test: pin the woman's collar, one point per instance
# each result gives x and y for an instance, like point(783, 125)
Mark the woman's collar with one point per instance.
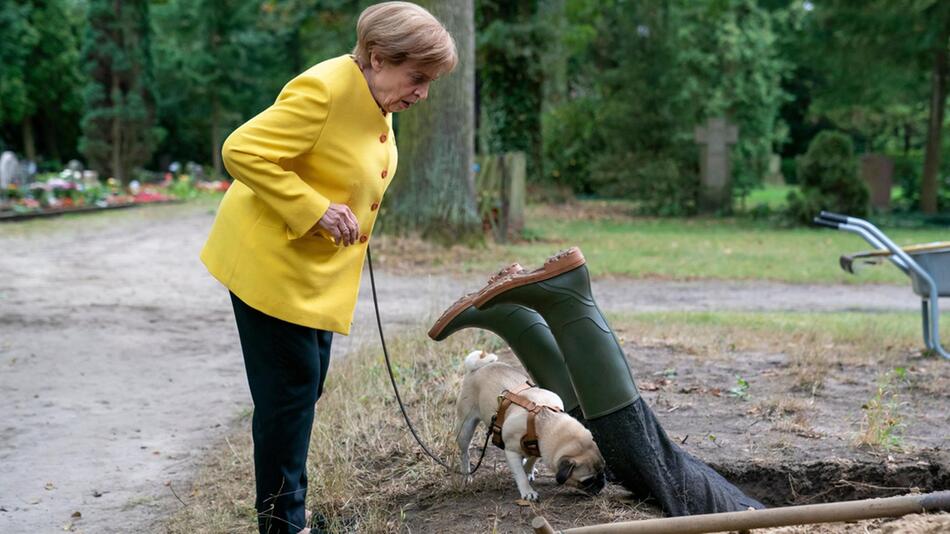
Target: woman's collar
point(360, 68)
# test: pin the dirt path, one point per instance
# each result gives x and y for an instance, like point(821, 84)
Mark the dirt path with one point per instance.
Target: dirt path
point(120, 365)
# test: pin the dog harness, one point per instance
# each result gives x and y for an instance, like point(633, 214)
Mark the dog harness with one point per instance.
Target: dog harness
point(529, 442)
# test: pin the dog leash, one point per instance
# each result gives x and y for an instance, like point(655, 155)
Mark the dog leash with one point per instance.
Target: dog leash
point(392, 379)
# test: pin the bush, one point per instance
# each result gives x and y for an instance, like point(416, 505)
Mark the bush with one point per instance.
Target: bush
point(907, 169)
point(569, 140)
point(789, 170)
point(656, 183)
point(828, 178)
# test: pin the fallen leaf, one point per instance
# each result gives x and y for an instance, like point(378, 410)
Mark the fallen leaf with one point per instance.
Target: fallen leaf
point(76, 515)
point(522, 502)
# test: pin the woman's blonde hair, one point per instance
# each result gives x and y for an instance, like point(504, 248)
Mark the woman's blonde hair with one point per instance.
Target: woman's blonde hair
point(402, 31)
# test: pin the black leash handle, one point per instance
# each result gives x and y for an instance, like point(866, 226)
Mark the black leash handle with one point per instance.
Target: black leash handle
point(392, 379)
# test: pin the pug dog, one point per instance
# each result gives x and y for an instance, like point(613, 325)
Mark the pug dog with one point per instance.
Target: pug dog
point(563, 442)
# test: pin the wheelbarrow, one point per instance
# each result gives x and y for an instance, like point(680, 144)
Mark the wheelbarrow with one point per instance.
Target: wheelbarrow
point(927, 265)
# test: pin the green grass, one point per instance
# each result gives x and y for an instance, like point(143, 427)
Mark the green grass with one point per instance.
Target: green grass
point(773, 196)
point(701, 248)
point(868, 332)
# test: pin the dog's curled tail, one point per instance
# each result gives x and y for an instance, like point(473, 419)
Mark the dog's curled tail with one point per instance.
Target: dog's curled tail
point(477, 359)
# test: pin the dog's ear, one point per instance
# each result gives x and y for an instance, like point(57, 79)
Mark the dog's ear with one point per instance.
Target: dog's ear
point(564, 469)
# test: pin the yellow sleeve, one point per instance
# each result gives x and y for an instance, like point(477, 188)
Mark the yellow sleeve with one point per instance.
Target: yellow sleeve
point(289, 128)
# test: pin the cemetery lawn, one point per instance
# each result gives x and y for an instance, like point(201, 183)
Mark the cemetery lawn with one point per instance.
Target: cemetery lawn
point(617, 243)
point(795, 407)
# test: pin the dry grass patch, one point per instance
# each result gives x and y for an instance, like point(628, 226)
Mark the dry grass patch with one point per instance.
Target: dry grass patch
point(366, 472)
point(221, 498)
point(883, 422)
point(814, 343)
point(362, 459)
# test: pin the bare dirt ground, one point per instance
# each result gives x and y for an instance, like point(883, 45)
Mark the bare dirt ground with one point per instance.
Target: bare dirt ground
point(120, 366)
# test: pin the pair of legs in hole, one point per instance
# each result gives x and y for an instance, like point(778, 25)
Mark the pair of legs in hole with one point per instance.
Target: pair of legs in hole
point(551, 322)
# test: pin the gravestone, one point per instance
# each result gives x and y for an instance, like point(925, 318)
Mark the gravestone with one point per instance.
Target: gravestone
point(877, 171)
point(90, 178)
point(500, 182)
point(715, 165)
point(195, 170)
point(9, 169)
point(774, 175)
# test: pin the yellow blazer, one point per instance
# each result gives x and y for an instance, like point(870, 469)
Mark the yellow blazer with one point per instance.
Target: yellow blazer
point(324, 140)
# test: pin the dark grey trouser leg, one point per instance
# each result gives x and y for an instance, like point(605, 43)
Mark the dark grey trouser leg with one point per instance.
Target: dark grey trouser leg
point(286, 367)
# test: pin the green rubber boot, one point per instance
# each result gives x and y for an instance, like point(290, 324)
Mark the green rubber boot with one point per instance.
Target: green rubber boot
point(633, 443)
point(592, 355)
point(525, 332)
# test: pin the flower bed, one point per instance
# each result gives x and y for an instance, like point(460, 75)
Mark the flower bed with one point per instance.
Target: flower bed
point(70, 192)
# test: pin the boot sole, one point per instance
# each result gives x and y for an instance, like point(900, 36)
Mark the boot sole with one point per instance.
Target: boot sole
point(562, 262)
point(466, 301)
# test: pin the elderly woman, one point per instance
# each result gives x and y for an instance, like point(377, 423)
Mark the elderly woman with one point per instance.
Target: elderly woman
point(292, 231)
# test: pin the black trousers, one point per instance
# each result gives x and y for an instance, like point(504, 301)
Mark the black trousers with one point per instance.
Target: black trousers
point(286, 366)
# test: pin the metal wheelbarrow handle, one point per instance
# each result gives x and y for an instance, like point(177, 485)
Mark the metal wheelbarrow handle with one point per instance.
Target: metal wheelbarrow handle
point(876, 237)
point(842, 222)
point(834, 217)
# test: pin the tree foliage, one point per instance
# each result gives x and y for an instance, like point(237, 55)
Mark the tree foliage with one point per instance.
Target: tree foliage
point(733, 69)
point(883, 66)
point(219, 62)
point(40, 77)
point(643, 76)
point(215, 66)
point(510, 75)
point(828, 176)
point(602, 95)
point(19, 38)
point(118, 126)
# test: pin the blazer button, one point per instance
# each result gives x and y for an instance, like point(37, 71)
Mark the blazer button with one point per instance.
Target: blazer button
point(375, 206)
point(382, 138)
point(384, 174)
point(363, 238)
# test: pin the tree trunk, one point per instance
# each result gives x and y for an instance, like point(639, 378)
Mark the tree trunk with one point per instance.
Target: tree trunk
point(554, 56)
point(51, 140)
point(116, 141)
point(29, 143)
point(434, 190)
point(938, 99)
point(216, 136)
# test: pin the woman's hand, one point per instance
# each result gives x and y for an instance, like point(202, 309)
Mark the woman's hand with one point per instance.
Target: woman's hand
point(341, 224)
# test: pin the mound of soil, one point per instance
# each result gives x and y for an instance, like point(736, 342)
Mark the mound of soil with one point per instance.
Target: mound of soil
point(782, 445)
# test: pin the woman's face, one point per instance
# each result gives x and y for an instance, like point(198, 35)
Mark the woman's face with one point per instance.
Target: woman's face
point(398, 87)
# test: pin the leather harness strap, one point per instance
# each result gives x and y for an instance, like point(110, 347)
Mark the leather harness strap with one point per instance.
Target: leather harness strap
point(529, 442)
